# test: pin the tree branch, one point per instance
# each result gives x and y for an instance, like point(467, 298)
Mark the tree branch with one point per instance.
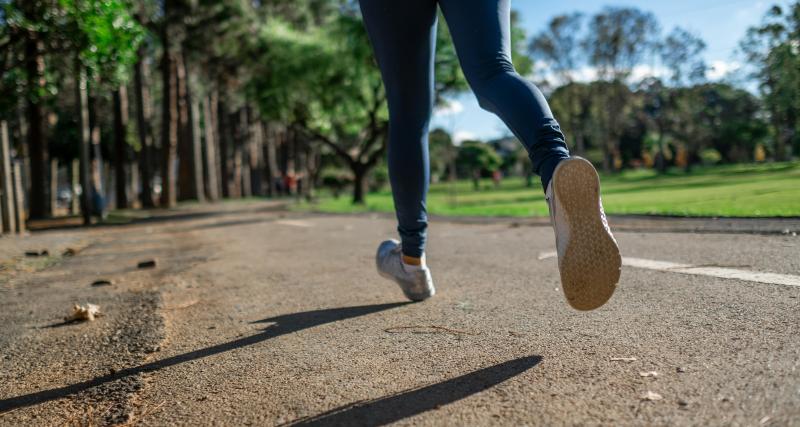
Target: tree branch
point(314, 135)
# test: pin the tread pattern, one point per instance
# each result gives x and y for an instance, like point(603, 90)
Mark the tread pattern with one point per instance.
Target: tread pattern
point(590, 268)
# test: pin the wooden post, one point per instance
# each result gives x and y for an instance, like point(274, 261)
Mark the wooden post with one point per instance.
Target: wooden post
point(7, 198)
point(19, 198)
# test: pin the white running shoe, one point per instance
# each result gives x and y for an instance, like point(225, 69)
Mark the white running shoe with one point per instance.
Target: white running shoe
point(588, 255)
point(415, 281)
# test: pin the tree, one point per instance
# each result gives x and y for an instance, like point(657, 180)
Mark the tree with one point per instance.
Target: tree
point(325, 84)
point(558, 47)
point(680, 53)
point(774, 50)
point(58, 39)
point(618, 40)
point(475, 158)
point(442, 154)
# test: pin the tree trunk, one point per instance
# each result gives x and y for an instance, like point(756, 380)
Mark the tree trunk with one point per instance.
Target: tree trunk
point(34, 64)
point(256, 158)
point(82, 99)
point(312, 169)
point(197, 152)
point(143, 115)
point(580, 144)
point(271, 160)
point(359, 184)
point(187, 184)
point(97, 190)
point(212, 163)
point(121, 145)
point(608, 158)
point(169, 123)
point(240, 140)
point(6, 182)
point(224, 147)
point(781, 136)
point(661, 159)
point(53, 187)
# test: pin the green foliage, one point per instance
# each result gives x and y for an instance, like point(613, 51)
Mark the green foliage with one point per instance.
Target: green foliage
point(475, 158)
point(680, 52)
point(102, 33)
point(774, 50)
point(618, 39)
point(380, 178)
point(442, 153)
point(105, 35)
point(710, 156)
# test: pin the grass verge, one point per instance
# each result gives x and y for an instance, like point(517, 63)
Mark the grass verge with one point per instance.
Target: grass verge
point(751, 190)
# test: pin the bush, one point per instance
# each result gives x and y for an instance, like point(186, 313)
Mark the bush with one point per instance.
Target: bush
point(380, 177)
point(710, 157)
point(336, 180)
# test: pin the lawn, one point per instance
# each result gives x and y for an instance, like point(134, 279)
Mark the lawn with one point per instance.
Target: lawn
point(759, 190)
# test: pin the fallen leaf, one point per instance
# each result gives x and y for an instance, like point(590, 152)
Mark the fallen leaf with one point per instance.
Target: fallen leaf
point(651, 396)
point(765, 420)
point(80, 312)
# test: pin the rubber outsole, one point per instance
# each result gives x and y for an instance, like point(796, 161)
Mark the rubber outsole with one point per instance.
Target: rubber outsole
point(591, 264)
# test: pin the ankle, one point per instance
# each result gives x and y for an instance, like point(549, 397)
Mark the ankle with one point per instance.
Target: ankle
point(409, 260)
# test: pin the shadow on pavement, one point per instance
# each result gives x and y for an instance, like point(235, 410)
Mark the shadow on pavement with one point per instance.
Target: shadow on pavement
point(153, 216)
point(285, 324)
point(399, 406)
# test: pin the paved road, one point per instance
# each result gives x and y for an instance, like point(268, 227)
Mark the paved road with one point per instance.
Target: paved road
point(255, 316)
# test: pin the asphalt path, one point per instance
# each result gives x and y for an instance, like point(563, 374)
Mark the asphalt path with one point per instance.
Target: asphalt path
point(257, 316)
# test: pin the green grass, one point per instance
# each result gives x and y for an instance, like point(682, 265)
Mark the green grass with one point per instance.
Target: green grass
point(760, 190)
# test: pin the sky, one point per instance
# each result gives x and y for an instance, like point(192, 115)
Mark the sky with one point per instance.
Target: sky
point(720, 23)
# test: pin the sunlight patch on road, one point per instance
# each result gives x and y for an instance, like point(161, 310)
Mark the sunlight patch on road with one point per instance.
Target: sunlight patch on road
point(294, 223)
point(703, 270)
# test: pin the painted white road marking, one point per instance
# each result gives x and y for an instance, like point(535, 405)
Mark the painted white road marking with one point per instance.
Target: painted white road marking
point(699, 270)
point(294, 223)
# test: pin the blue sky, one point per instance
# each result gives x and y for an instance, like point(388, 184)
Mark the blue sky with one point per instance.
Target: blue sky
point(721, 23)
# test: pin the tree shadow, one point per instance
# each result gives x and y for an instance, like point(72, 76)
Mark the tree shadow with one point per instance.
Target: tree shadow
point(150, 216)
point(283, 325)
point(396, 407)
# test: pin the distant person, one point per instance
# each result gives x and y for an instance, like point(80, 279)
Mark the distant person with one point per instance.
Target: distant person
point(497, 178)
point(403, 35)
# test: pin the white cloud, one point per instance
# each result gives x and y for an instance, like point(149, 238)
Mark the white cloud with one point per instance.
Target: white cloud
point(588, 74)
point(640, 72)
point(451, 109)
point(721, 69)
point(462, 135)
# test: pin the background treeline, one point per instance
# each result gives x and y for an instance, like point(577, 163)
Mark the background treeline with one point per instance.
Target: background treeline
point(143, 103)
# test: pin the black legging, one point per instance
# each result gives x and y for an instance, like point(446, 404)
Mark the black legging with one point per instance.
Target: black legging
point(403, 35)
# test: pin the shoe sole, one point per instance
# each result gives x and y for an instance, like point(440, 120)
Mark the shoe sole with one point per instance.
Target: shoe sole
point(590, 268)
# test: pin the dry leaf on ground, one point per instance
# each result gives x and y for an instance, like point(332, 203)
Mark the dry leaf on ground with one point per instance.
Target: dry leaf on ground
point(651, 396)
point(81, 312)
